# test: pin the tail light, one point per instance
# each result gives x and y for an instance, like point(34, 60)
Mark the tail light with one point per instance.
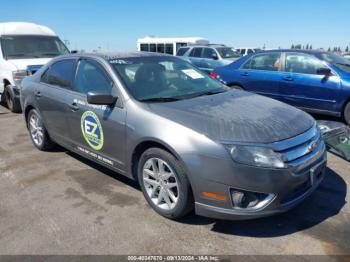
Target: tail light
point(214, 75)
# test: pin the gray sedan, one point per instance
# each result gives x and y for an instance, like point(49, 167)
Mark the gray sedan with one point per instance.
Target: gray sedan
point(187, 139)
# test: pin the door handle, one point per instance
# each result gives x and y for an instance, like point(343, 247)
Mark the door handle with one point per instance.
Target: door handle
point(244, 74)
point(38, 94)
point(288, 78)
point(74, 107)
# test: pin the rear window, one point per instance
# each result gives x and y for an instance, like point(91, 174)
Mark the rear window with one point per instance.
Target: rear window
point(182, 51)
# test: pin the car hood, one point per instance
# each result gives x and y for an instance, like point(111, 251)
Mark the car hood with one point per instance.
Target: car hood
point(237, 116)
point(22, 64)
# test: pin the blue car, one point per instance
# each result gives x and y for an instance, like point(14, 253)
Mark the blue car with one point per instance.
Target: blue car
point(315, 81)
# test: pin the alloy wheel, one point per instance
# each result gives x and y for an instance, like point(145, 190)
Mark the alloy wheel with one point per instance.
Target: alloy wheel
point(36, 130)
point(160, 183)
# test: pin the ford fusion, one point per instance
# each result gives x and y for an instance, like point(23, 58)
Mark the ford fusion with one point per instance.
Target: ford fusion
point(186, 138)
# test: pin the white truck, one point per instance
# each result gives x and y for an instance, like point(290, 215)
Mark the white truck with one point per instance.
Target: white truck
point(24, 48)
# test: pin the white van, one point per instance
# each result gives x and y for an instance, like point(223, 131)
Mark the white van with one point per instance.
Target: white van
point(24, 48)
point(167, 45)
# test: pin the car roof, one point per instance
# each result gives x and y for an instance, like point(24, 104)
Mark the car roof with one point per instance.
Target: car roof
point(24, 28)
point(313, 51)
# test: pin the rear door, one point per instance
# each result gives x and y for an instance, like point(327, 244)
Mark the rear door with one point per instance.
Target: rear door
point(98, 131)
point(261, 74)
point(303, 87)
point(52, 96)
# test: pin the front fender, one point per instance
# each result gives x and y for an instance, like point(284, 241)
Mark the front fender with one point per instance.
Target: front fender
point(185, 144)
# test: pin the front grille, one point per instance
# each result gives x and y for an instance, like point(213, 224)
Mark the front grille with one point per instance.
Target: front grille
point(302, 150)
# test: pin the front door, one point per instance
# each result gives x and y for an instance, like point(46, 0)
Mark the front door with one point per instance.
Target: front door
point(98, 131)
point(303, 87)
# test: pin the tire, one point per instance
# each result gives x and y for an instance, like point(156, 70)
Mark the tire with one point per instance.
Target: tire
point(11, 102)
point(173, 173)
point(347, 113)
point(236, 87)
point(37, 131)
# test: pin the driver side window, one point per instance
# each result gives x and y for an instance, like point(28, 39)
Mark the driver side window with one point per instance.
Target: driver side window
point(303, 64)
point(90, 77)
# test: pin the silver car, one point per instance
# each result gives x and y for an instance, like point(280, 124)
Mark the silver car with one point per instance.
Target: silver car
point(208, 57)
point(187, 139)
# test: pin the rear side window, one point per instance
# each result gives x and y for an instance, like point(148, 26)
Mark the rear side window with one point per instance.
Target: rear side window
point(144, 47)
point(169, 49)
point(208, 53)
point(303, 64)
point(91, 77)
point(181, 51)
point(267, 62)
point(196, 52)
point(60, 73)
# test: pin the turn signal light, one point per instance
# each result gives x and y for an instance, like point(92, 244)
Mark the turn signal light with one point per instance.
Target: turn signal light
point(214, 196)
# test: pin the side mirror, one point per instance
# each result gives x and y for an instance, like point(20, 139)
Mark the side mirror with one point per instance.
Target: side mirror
point(324, 71)
point(101, 99)
point(214, 56)
point(74, 51)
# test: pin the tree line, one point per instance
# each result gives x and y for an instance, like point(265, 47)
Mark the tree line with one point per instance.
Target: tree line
point(309, 47)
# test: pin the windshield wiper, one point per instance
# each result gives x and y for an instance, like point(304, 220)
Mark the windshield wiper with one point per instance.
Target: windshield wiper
point(16, 55)
point(209, 93)
point(160, 99)
point(50, 54)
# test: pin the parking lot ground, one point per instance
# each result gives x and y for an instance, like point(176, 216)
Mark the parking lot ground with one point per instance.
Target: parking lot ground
point(58, 203)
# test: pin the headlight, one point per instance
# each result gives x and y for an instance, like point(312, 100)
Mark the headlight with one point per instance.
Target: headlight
point(18, 76)
point(256, 156)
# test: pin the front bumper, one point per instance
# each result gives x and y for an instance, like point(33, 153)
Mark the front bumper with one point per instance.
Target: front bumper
point(294, 195)
point(289, 186)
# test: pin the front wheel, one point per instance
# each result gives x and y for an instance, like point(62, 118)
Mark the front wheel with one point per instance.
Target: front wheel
point(164, 183)
point(347, 113)
point(12, 103)
point(37, 131)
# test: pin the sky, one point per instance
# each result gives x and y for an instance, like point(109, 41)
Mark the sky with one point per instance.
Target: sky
point(115, 25)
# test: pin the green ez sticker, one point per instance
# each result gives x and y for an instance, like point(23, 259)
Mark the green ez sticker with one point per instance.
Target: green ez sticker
point(92, 130)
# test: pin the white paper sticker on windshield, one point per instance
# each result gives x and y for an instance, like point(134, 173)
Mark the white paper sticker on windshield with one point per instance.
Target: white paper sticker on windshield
point(192, 73)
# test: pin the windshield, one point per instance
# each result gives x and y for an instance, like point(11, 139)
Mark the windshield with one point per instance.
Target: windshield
point(164, 79)
point(338, 61)
point(226, 52)
point(24, 46)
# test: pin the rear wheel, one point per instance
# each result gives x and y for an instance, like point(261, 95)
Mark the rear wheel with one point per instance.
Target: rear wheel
point(347, 113)
point(164, 183)
point(37, 131)
point(12, 103)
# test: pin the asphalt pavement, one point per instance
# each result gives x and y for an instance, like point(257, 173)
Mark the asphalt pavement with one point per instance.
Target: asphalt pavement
point(58, 203)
